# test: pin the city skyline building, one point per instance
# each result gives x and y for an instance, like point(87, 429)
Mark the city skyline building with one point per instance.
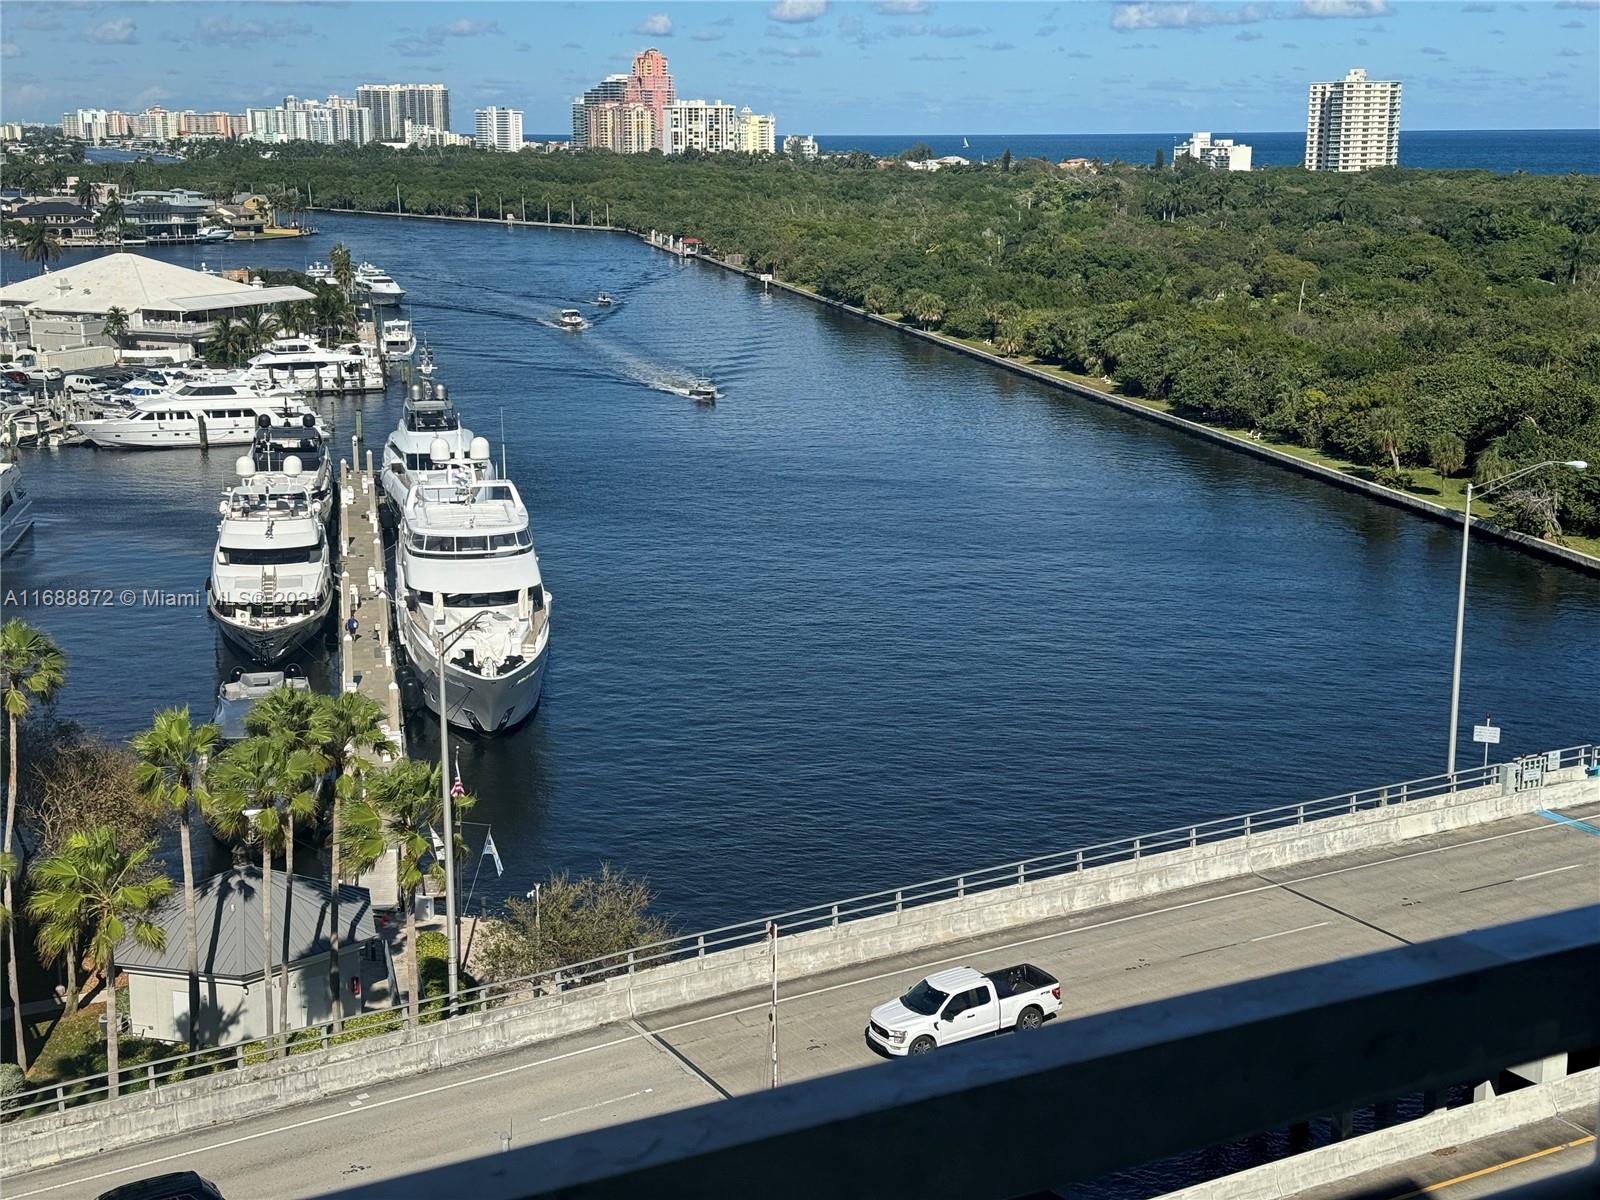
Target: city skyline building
point(758, 132)
point(1220, 154)
point(496, 128)
point(393, 104)
point(650, 85)
point(339, 119)
point(610, 90)
point(696, 125)
point(1353, 124)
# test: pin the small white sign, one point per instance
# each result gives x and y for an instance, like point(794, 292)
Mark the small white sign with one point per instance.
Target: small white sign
point(1486, 733)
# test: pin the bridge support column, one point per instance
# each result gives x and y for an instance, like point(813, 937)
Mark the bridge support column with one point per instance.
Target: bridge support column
point(1384, 1113)
point(1542, 1070)
point(1344, 1125)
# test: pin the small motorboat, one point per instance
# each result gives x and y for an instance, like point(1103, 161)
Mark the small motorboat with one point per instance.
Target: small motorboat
point(703, 393)
point(571, 318)
point(603, 300)
point(239, 693)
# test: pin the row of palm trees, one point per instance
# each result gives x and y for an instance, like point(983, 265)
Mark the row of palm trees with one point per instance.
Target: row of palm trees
point(235, 339)
point(306, 759)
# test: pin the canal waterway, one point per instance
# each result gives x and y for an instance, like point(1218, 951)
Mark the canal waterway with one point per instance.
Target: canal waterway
point(883, 613)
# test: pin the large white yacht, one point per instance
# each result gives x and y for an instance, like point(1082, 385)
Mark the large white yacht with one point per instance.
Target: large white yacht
point(230, 407)
point(278, 441)
point(467, 579)
point(378, 286)
point(16, 509)
point(305, 364)
point(398, 340)
point(271, 583)
point(430, 438)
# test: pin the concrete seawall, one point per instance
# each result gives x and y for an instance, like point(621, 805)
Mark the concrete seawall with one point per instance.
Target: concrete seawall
point(267, 1087)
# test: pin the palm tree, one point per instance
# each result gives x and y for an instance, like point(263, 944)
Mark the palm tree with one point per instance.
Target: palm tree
point(344, 272)
point(225, 343)
point(111, 218)
point(31, 668)
point(94, 889)
point(34, 243)
point(172, 755)
point(355, 729)
point(256, 330)
point(83, 191)
point(401, 807)
point(116, 326)
point(296, 723)
point(333, 312)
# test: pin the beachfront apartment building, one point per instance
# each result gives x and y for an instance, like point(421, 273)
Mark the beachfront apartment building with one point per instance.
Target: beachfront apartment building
point(801, 145)
point(758, 132)
point(393, 104)
point(497, 128)
point(1353, 124)
point(338, 119)
point(1220, 154)
point(695, 125)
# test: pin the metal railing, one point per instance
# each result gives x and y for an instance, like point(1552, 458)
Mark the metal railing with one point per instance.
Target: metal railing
point(1524, 774)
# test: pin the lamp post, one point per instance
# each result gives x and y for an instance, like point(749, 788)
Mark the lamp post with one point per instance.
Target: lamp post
point(441, 644)
point(1461, 588)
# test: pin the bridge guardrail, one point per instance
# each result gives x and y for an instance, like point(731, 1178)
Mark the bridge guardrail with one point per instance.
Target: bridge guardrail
point(140, 1076)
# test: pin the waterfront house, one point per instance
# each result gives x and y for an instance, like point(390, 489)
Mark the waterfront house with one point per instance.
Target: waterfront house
point(234, 987)
point(68, 221)
point(166, 305)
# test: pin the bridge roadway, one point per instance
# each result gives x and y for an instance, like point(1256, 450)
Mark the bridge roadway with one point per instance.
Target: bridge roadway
point(1107, 958)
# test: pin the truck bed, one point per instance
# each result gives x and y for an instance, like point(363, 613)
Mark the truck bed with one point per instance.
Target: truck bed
point(1024, 977)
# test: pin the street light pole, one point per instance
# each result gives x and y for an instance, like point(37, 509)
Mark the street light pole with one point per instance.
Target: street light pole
point(1461, 585)
point(441, 644)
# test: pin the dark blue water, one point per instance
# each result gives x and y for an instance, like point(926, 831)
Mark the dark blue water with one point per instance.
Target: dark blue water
point(1537, 151)
point(884, 613)
point(116, 154)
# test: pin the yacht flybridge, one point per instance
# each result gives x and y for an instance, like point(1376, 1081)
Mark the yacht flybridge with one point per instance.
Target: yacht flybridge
point(278, 442)
point(221, 411)
point(429, 439)
point(306, 365)
point(468, 588)
point(398, 340)
point(271, 584)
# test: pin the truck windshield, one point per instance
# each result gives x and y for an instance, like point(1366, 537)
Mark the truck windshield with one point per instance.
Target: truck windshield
point(923, 999)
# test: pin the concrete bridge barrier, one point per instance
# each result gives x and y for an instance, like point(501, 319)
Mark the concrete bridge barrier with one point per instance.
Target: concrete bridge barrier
point(255, 1090)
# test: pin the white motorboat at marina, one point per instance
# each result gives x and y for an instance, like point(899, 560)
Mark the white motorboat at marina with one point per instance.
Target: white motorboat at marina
point(430, 439)
point(16, 508)
point(214, 233)
point(277, 442)
point(238, 694)
point(571, 318)
point(467, 580)
point(306, 365)
point(398, 340)
point(271, 583)
point(377, 285)
point(204, 412)
point(319, 272)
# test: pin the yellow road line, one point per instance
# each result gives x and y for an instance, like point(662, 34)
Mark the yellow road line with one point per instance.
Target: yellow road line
point(1510, 1162)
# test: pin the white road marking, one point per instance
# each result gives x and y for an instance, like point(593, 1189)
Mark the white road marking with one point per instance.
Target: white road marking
point(1545, 827)
point(600, 1104)
point(1267, 937)
point(1551, 871)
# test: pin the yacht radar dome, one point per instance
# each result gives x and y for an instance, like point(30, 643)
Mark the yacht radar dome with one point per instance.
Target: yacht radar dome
point(439, 450)
point(479, 450)
point(292, 465)
point(245, 466)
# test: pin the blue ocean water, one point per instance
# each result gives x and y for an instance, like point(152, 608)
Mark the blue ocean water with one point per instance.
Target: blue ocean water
point(1537, 151)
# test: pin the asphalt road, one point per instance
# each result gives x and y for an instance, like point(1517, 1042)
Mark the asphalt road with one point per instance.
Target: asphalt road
point(1107, 958)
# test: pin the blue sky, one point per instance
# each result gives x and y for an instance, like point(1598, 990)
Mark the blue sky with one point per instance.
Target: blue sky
point(899, 66)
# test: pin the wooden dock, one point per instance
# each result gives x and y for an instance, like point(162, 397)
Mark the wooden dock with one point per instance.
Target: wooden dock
point(366, 656)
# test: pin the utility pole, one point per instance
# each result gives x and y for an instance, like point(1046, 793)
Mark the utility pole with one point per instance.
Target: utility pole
point(1300, 306)
point(772, 1016)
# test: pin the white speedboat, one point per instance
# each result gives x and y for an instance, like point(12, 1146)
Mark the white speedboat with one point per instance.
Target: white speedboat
point(703, 393)
point(271, 583)
point(377, 285)
point(430, 439)
point(467, 581)
point(571, 318)
point(16, 508)
point(214, 233)
point(425, 362)
point(306, 365)
point(398, 340)
point(204, 412)
point(319, 272)
point(277, 442)
point(604, 300)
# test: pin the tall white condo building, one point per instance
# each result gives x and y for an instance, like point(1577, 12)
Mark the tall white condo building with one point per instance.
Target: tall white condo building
point(499, 129)
point(1353, 124)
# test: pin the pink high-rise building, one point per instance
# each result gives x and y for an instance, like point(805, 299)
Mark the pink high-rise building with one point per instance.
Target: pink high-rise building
point(650, 84)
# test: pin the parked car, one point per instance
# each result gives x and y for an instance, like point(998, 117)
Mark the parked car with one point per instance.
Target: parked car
point(180, 1185)
point(43, 375)
point(82, 383)
point(963, 1003)
point(13, 375)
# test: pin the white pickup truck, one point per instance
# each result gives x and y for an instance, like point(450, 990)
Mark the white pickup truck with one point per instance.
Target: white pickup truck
point(961, 1003)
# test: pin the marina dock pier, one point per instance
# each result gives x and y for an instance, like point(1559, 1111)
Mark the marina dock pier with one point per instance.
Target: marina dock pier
point(366, 651)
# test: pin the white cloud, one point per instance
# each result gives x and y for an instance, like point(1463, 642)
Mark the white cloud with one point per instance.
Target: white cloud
point(9, 50)
point(1188, 14)
point(222, 30)
point(465, 29)
point(658, 25)
point(903, 8)
point(119, 32)
point(797, 11)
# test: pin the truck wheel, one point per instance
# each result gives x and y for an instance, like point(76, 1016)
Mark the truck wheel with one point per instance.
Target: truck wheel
point(1030, 1018)
point(922, 1045)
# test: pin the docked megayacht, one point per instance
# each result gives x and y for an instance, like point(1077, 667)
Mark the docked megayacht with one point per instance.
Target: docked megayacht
point(468, 592)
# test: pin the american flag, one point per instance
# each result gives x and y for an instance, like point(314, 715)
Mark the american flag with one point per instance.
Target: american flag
point(457, 788)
